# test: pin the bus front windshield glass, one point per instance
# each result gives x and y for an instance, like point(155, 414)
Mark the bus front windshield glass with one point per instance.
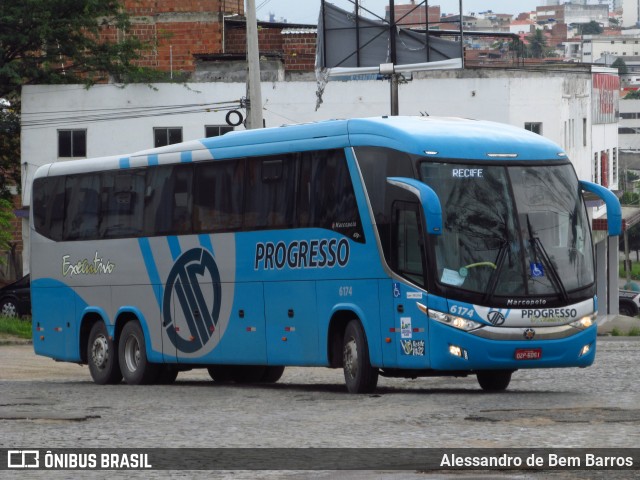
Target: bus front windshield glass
point(511, 231)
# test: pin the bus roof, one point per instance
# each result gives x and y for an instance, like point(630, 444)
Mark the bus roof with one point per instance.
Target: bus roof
point(436, 137)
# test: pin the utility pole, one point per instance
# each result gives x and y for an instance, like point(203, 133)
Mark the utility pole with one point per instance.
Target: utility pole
point(254, 93)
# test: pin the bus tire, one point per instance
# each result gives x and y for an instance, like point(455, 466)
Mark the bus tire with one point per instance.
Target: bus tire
point(135, 367)
point(102, 356)
point(494, 380)
point(249, 373)
point(167, 374)
point(221, 373)
point(272, 374)
point(359, 375)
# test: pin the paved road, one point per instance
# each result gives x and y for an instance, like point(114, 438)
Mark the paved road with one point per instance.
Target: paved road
point(46, 404)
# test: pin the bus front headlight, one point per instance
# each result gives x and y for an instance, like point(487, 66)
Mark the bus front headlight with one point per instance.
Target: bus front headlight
point(454, 321)
point(585, 322)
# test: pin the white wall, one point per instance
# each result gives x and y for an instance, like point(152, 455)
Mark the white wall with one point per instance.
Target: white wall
point(509, 97)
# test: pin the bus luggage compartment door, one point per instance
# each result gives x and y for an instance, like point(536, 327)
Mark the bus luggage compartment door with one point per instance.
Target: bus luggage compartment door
point(292, 328)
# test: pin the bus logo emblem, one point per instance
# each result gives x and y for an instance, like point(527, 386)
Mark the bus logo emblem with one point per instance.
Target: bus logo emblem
point(195, 281)
point(529, 333)
point(496, 318)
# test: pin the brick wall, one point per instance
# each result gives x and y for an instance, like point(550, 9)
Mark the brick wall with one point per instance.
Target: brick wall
point(297, 49)
point(176, 30)
point(299, 52)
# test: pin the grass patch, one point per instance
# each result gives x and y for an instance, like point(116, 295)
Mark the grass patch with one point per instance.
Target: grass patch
point(635, 270)
point(15, 327)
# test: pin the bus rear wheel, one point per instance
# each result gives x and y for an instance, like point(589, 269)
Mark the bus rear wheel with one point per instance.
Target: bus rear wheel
point(135, 367)
point(272, 374)
point(494, 380)
point(102, 356)
point(359, 375)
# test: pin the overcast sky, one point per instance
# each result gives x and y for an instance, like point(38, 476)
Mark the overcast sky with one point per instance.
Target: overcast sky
point(306, 11)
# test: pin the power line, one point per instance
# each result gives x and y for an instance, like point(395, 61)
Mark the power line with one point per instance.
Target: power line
point(57, 118)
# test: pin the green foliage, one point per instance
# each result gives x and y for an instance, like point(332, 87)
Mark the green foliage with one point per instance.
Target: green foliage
point(631, 176)
point(620, 65)
point(616, 332)
point(632, 95)
point(15, 327)
point(591, 28)
point(58, 41)
point(634, 332)
point(537, 47)
point(630, 198)
point(6, 216)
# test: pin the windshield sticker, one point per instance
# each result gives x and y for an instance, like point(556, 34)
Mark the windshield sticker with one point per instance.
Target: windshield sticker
point(451, 277)
point(537, 270)
point(414, 348)
point(405, 327)
point(414, 295)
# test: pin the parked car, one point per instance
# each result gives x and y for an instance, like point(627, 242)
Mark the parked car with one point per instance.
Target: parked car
point(629, 302)
point(15, 298)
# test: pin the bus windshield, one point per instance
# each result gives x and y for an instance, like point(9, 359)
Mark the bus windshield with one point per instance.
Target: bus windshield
point(511, 230)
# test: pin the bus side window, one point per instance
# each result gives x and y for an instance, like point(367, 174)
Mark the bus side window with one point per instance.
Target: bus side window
point(218, 192)
point(48, 207)
point(122, 194)
point(82, 207)
point(168, 201)
point(407, 242)
point(270, 192)
point(326, 196)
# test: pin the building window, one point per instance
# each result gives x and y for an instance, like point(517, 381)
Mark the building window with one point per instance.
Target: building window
point(216, 130)
point(535, 127)
point(72, 143)
point(596, 167)
point(584, 132)
point(166, 136)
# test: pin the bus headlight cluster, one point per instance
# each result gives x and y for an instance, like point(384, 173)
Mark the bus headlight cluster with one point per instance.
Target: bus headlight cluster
point(585, 322)
point(454, 321)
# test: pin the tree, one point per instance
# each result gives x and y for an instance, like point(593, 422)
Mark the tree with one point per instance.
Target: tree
point(60, 41)
point(51, 42)
point(537, 44)
point(591, 28)
point(632, 95)
point(620, 65)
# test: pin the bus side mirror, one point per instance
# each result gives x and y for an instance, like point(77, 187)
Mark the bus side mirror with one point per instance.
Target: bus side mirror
point(428, 199)
point(614, 210)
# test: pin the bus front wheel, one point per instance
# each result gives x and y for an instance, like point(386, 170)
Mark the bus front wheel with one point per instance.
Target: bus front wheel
point(494, 380)
point(102, 356)
point(359, 375)
point(136, 369)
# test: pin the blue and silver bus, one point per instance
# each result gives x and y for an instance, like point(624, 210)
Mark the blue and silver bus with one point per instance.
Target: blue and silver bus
point(394, 246)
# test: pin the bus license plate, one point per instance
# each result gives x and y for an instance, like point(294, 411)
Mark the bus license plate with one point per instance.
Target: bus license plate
point(528, 353)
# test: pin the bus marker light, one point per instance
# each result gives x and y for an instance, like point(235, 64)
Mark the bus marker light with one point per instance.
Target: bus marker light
point(284, 339)
point(388, 340)
point(192, 338)
point(212, 328)
point(251, 329)
point(289, 329)
point(585, 350)
point(42, 337)
point(58, 329)
point(418, 330)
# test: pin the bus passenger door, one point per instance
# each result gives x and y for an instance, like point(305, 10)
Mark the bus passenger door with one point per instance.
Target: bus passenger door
point(411, 329)
point(292, 328)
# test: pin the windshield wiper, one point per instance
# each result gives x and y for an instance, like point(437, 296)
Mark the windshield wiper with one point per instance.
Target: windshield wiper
point(493, 281)
point(538, 247)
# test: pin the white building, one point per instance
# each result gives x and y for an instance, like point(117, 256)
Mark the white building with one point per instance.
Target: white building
point(576, 108)
point(630, 13)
